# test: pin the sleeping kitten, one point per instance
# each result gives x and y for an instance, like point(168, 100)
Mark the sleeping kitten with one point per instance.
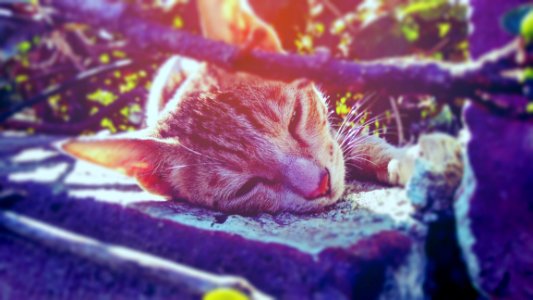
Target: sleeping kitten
point(236, 142)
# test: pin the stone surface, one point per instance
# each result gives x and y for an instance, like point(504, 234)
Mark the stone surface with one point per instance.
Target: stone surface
point(487, 33)
point(495, 205)
point(367, 246)
point(437, 174)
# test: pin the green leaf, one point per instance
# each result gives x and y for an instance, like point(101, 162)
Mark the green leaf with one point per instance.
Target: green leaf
point(225, 294)
point(513, 19)
point(102, 96)
point(177, 22)
point(104, 58)
point(528, 74)
point(24, 47)
point(108, 123)
point(21, 78)
point(529, 108)
point(444, 28)
point(422, 6)
point(410, 32)
point(526, 27)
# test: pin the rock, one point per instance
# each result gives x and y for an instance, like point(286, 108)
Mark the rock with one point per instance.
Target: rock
point(487, 33)
point(437, 173)
point(366, 247)
point(495, 204)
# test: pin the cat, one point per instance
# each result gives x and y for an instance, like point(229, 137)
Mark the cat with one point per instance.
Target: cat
point(239, 143)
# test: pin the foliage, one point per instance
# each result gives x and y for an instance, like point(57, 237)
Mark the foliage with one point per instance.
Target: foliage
point(372, 30)
point(32, 64)
point(351, 30)
point(515, 21)
point(225, 294)
point(526, 27)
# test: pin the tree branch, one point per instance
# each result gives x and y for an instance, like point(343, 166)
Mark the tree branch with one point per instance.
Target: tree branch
point(123, 259)
point(76, 127)
point(393, 76)
point(79, 79)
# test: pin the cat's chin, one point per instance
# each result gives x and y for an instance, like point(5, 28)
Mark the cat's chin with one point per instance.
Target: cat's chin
point(284, 202)
point(304, 206)
point(293, 203)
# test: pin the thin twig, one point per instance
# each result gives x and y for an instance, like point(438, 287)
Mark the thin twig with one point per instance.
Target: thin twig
point(333, 8)
point(79, 79)
point(77, 127)
point(127, 260)
point(398, 120)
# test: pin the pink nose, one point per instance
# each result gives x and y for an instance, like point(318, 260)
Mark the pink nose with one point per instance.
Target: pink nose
point(306, 178)
point(322, 189)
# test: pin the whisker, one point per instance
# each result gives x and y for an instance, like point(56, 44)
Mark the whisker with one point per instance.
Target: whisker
point(190, 165)
point(198, 153)
point(345, 121)
point(361, 159)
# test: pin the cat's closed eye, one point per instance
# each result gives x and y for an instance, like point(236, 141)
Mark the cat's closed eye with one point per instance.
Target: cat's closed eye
point(249, 185)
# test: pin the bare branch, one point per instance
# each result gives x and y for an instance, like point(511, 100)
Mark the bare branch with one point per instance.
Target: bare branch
point(128, 260)
point(398, 120)
point(399, 76)
point(79, 79)
point(76, 127)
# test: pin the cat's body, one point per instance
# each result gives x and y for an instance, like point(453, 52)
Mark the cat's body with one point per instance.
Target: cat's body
point(236, 142)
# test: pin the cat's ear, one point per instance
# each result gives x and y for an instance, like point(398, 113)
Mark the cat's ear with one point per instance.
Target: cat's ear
point(136, 157)
point(235, 22)
point(303, 83)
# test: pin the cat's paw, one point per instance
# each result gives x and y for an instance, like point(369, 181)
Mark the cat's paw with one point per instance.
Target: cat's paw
point(439, 152)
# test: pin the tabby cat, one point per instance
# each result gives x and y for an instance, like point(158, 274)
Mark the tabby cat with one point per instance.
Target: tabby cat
point(239, 143)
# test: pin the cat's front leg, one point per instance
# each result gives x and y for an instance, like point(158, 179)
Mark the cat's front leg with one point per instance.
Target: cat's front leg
point(375, 158)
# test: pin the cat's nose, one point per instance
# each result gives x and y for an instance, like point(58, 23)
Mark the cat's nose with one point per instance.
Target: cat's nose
point(307, 179)
point(323, 187)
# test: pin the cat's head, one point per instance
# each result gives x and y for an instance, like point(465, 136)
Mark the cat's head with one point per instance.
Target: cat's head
point(251, 144)
point(247, 145)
